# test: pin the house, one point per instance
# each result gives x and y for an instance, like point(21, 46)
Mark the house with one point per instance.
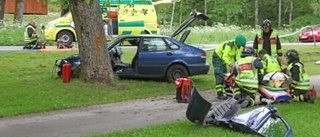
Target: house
point(30, 7)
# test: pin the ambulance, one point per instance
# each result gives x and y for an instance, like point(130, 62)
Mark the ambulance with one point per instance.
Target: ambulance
point(122, 17)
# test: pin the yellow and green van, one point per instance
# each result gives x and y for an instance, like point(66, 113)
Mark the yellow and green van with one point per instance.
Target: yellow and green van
point(123, 17)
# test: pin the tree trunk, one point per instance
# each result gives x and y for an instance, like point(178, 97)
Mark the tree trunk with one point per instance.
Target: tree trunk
point(64, 7)
point(95, 60)
point(180, 18)
point(172, 15)
point(291, 12)
point(18, 12)
point(2, 3)
point(279, 15)
point(256, 13)
point(205, 12)
point(165, 17)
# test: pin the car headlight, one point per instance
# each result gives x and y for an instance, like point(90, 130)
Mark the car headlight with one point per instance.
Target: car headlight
point(51, 25)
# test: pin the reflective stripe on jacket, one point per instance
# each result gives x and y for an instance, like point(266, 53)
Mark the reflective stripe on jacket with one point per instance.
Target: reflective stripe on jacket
point(304, 80)
point(33, 37)
point(273, 43)
point(247, 73)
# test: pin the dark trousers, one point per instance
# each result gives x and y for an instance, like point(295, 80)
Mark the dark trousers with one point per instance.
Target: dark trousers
point(219, 70)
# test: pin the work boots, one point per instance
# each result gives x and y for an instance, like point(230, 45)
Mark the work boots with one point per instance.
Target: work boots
point(221, 96)
point(308, 97)
point(304, 97)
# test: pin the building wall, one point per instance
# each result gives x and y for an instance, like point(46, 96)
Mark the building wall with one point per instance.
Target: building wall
point(30, 7)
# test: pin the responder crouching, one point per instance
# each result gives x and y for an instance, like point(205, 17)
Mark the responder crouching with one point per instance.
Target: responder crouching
point(246, 77)
point(300, 86)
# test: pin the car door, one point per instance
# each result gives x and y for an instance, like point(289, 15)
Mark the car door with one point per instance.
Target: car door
point(154, 56)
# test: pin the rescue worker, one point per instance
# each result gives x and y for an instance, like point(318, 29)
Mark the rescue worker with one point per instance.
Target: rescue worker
point(246, 77)
point(269, 41)
point(31, 36)
point(270, 64)
point(300, 85)
point(221, 59)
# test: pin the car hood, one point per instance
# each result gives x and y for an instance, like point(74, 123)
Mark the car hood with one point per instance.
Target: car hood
point(193, 16)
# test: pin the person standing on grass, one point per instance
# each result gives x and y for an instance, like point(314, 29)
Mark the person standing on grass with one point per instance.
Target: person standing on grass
point(299, 88)
point(221, 59)
point(268, 40)
point(31, 36)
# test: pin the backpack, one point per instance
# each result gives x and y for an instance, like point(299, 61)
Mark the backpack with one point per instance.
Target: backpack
point(183, 89)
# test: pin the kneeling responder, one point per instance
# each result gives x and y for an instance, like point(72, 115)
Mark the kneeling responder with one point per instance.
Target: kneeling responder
point(300, 85)
point(246, 72)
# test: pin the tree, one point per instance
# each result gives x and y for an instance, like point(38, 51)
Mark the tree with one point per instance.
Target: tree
point(291, 11)
point(256, 13)
point(279, 14)
point(64, 7)
point(2, 3)
point(95, 62)
point(18, 12)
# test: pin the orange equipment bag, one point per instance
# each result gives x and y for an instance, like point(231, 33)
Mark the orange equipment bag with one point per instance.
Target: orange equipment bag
point(313, 93)
point(183, 89)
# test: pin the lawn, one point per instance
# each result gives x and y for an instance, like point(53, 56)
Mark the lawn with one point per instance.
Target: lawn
point(29, 85)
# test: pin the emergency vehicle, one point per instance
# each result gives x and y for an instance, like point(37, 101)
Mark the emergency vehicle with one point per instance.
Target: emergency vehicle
point(124, 17)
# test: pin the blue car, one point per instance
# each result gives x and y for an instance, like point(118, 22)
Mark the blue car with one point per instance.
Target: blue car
point(160, 56)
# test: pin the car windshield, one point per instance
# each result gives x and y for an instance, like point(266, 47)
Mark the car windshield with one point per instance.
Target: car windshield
point(65, 15)
point(273, 127)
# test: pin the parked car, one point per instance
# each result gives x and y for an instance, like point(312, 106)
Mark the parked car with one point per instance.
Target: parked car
point(159, 56)
point(310, 34)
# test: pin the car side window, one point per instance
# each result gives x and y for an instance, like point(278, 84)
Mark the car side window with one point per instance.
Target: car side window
point(172, 45)
point(153, 44)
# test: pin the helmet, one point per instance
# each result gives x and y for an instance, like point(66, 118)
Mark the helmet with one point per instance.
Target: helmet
point(266, 23)
point(292, 54)
point(247, 51)
point(241, 40)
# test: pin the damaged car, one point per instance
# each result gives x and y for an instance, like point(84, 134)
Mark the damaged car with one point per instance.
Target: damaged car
point(157, 56)
point(264, 121)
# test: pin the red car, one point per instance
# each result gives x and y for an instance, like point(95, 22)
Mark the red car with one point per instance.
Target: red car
point(307, 35)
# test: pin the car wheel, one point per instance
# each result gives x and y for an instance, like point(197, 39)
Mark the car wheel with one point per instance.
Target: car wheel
point(66, 36)
point(176, 71)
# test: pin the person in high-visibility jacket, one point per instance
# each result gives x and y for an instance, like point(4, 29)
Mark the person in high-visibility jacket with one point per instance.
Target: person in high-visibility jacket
point(31, 36)
point(268, 40)
point(222, 58)
point(270, 64)
point(300, 79)
point(246, 77)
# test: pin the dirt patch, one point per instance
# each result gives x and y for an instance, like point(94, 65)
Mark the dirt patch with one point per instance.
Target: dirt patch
point(54, 48)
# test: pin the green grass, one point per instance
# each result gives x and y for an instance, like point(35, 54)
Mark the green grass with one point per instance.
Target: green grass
point(13, 34)
point(308, 55)
point(29, 86)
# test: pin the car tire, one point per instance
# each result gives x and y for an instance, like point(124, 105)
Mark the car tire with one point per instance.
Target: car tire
point(66, 36)
point(176, 71)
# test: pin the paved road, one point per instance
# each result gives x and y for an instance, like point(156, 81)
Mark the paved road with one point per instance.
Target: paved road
point(101, 118)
